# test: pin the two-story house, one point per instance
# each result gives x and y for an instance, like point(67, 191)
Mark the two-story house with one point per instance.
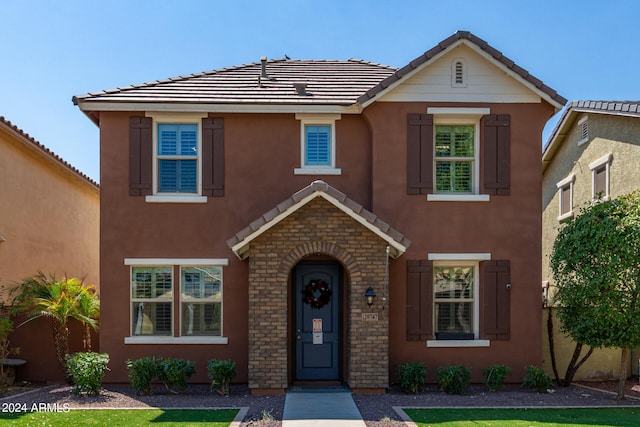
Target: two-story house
point(325, 220)
point(49, 222)
point(592, 154)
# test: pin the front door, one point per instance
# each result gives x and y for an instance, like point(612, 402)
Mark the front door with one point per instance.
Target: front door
point(317, 334)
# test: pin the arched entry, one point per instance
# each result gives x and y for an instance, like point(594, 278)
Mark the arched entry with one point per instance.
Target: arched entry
point(317, 314)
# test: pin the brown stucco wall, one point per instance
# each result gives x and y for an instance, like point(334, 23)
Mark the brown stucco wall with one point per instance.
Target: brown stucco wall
point(371, 151)
point(49, 217)
point(508, 227)
point(254, 183)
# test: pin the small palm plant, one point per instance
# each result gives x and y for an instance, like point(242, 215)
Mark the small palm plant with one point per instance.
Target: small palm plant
point(60, 301)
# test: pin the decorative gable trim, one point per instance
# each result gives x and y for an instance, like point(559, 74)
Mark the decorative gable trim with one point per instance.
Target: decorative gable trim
point(239, 243)
point(478, 45)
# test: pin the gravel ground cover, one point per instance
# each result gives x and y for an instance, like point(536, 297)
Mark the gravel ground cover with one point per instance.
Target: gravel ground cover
point(377, 410)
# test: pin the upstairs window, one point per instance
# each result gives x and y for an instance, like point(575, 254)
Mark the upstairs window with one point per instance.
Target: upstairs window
point(455, 158)
point(565, 194)
point(600, 178)
point(317, 144)
point(177, 158)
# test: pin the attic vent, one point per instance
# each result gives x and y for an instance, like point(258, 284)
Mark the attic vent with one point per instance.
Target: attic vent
point(458, 73)
point(583, 131)
point(263, 73)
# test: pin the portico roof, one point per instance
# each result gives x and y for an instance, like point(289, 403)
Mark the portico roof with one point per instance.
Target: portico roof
point(240, 242)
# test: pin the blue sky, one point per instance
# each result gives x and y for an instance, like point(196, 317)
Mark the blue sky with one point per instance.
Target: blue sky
point(53, 50)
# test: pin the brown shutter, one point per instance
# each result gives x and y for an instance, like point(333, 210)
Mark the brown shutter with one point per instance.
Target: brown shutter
point(213, 157)
point(419, 154)
point(496, 284)
point(497, 157)
point(419, 300)
point(140, 156)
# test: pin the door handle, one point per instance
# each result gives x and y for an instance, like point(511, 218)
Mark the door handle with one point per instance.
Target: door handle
point(298, 336)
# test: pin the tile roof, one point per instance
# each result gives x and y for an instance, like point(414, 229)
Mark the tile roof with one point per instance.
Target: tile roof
point(338, 82)
point(239, 243)
point(616, 108)
point(328, 82)
point(444, 45)
point(44, 151)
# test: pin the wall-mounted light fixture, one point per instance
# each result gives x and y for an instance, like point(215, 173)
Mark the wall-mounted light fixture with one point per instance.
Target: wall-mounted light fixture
point(370, 295)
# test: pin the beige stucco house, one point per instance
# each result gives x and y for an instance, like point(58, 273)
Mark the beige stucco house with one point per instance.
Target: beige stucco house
point(593, 153)
point(49, 219)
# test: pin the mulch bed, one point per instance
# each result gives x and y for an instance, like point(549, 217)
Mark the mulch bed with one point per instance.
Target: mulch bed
point(377, 410)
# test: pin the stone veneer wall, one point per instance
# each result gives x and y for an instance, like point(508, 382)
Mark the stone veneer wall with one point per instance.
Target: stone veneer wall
point(316, 228)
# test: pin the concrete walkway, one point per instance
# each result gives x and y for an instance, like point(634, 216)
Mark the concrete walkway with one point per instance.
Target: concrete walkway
point(312, 408)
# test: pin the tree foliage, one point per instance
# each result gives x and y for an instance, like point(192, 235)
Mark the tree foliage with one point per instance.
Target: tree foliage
point(596, 268)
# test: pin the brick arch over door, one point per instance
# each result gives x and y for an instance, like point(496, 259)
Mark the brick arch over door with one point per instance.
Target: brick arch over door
point(319, 247)
point(316, 228)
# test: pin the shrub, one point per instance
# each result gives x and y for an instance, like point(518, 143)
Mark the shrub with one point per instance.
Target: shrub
point(87, 370)
point(174, 373)
point(453, 379)
point(411, 376)
point(221, 373)
point(6, 327)
point(494, 376)
point(141, 372)
point(537, 379)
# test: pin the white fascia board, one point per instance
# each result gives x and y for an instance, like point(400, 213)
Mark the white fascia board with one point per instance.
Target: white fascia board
point(238, 247)
point(396, 245)
point(86, 106)
point(406, 77)
point(514, 75)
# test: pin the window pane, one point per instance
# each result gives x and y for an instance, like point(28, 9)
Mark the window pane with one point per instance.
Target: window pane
point(600, 177)
point(318, 145)
point(178, 139)
point(201, 319)
point(177, 176)
point(151, 318)
point(453, 282)
point(202, 283)
point(453, 299)
point(565, 199)
point(454, 176)
point(454, 140)
point(151, 282)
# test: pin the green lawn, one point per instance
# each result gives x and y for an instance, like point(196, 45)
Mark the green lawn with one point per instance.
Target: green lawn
point(118, 417)
point(601, 417)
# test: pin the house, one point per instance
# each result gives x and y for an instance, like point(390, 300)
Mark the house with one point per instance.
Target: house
point(592, 154)
point(49, 222)
point(253, 212)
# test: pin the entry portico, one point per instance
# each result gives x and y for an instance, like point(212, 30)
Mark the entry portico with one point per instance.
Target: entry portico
point(318, 223)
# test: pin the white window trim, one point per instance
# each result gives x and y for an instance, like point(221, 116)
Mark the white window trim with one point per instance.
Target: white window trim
point(175, 118)
point(453, 116)
point(594, 166)
point(171, 262)
point(582, 124)
point(453, 72)
point(322, 120)
point(567, 181)
point(463, 259)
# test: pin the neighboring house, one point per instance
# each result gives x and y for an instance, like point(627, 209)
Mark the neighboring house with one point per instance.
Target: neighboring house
point(247, 211)
point(593, 154)
point(49, 222)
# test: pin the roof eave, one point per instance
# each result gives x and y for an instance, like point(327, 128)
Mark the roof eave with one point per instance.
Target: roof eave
point(89, 107)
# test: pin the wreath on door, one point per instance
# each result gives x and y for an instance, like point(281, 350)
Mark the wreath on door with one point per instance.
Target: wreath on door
point(317, 294)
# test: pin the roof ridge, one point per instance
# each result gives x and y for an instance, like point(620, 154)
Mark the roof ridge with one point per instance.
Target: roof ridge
point(47, 151)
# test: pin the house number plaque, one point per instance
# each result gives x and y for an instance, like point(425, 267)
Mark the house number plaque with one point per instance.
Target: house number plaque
point(370, 317)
